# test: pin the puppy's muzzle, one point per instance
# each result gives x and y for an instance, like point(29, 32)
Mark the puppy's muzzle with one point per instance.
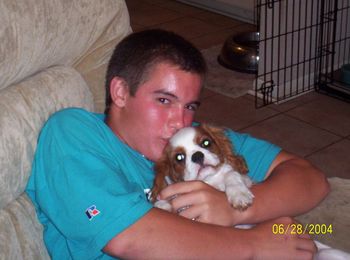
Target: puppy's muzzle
point(198, 157)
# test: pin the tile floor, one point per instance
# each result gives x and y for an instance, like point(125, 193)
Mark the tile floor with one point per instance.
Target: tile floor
point(314, 126)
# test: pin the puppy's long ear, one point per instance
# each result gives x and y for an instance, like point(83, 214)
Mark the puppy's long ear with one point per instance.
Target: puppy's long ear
point(238, 163)
point(162, 168)
point(227, 150)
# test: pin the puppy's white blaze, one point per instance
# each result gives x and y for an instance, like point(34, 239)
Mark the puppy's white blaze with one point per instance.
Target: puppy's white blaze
point(186, 139)
point(184, 136)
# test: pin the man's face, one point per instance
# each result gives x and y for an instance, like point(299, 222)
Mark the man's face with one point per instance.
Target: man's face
point(163, 104)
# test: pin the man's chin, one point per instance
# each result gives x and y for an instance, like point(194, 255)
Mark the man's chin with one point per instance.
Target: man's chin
point(153, 156)
point(156, 152)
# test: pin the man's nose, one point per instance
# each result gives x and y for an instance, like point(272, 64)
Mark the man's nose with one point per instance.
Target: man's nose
point(177, 120)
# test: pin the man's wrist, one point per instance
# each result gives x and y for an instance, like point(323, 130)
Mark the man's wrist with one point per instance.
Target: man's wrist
point(240, 217)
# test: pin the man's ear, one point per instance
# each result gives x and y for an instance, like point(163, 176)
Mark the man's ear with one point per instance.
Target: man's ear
point(119, 91)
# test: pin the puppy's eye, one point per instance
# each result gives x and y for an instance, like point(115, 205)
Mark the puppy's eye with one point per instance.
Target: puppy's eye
point(206, 143)
point(179, 157)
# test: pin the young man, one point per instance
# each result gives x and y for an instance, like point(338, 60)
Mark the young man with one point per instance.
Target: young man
point(91, 172)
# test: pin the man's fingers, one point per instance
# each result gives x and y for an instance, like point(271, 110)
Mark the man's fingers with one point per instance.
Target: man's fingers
point(180, 188)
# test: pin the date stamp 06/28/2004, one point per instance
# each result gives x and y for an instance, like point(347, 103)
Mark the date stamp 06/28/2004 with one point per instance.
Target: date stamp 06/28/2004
point(299, 229)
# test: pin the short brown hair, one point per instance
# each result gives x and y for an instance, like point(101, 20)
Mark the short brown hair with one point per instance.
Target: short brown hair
point(136, 55)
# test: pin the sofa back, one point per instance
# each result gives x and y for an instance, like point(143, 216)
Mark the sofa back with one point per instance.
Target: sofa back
point(24, 108)
point(49, 50)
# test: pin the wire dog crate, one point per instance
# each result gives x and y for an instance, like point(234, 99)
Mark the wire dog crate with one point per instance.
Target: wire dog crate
point(302, 45)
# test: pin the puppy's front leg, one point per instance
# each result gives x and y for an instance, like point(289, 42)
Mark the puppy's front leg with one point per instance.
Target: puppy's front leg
point(237, 190)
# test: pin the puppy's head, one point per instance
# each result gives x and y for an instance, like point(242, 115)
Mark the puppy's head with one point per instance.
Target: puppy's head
point(193, 152)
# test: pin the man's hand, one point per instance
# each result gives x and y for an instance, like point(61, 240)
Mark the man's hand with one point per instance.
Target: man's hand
point(201, 202)
point(285, 245)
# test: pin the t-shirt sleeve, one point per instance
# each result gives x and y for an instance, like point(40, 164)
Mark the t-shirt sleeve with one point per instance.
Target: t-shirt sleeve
point(81, 189)
point(259, 154)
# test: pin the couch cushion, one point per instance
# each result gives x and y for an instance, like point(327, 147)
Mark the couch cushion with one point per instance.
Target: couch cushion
point(21, 235)
point(23, 110)
point(36, 34)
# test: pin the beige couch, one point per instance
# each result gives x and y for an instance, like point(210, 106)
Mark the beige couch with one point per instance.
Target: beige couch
point(53, 54)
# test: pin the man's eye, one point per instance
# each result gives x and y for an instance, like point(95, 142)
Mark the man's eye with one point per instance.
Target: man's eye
point(180, 157)
point(192, 107)
point(164, 100)
point(206, 143)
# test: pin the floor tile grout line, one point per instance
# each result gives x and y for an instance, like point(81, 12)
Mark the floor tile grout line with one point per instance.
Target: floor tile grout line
point(259, 121)
point(318, 127)
point(325, 147)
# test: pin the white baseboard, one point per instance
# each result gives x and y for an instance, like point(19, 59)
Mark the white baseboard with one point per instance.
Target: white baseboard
point(278, 96)
point(231, 10)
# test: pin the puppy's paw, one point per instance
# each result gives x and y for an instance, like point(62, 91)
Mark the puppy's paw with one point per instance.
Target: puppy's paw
point(163, 204)
point(240, 200)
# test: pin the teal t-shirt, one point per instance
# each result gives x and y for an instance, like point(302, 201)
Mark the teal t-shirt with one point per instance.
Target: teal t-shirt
point(87, 186)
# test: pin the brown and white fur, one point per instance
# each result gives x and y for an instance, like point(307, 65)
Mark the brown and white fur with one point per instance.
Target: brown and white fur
point(204, 153)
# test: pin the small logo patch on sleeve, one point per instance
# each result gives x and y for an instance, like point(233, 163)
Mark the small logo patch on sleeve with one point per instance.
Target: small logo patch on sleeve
point(92, 212)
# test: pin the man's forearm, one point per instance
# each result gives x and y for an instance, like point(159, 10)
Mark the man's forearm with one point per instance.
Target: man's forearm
point(163, 235)
point(293, 187)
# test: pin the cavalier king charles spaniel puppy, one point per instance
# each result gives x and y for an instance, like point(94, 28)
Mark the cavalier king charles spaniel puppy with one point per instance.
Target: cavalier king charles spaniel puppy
point(203, 153)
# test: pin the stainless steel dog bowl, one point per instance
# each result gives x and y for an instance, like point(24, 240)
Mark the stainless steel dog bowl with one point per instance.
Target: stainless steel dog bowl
point(240, 52)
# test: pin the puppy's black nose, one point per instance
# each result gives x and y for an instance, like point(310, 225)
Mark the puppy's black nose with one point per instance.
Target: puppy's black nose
point(198, 157)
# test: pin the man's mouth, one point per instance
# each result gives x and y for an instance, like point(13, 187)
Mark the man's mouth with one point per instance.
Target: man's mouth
point(165, 140)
